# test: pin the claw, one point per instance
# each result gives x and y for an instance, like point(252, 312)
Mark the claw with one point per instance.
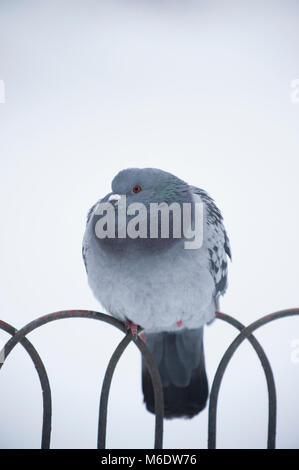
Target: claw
point(132, 327)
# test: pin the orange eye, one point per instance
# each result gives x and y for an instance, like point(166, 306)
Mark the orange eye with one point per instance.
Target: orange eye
point(136, 189)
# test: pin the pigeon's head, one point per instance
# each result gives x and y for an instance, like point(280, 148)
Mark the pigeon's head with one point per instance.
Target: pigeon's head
point(127, 219)
point(150, 185)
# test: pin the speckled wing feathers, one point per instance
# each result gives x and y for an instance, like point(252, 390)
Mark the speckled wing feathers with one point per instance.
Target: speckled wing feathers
point(217, 240)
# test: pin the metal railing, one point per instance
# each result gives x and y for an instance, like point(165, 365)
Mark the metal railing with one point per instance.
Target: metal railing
point(20, 336)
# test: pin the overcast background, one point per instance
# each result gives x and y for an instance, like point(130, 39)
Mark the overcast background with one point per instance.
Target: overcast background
point(199, 88)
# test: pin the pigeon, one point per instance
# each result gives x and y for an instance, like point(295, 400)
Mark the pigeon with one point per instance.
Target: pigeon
point(154, 281)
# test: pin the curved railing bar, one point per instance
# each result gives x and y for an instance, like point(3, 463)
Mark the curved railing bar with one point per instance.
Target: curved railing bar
point(44, 381)
point(156, 382)
point(59, 316)
point(153, 370)
point(270, 385)
point(246, 333)
point(157, 388)
point(102, 425)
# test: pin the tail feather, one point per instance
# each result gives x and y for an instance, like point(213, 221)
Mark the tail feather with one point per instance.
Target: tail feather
point(180, 359)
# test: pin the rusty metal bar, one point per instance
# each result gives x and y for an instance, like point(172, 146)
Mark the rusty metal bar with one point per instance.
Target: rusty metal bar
point(44, 381)
point(246, 333)
point(157, 387)
point(20, 335)
point(158, 390)
point(102, 426)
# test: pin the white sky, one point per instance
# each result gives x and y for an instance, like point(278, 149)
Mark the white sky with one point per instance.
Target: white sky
point(198, 88)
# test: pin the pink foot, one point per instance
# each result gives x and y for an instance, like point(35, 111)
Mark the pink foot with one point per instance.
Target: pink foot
point(132, 327)
point(179, 323)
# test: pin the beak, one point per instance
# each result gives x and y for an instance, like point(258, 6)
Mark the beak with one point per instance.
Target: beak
point(114, 198)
